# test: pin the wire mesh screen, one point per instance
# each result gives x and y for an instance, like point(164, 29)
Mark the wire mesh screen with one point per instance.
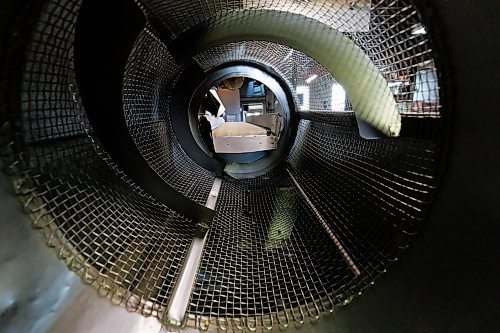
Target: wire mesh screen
point(109, 231)
point(282, 247)
point(273, 258)
point(276, 265)
point(398, 44)
point(390, 32)
point(293, 66)
point(378, 191)
point(151, 72)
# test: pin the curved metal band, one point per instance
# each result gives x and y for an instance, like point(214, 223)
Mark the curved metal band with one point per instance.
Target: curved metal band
point(105, 34)
point(188, 81)
point(367, 89)
point(250, 70)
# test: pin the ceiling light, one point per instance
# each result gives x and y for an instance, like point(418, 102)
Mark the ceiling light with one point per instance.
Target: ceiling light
point(419, 29)
point(288, 55)
point(256, 107)
point(395, 84)
point(312, 78)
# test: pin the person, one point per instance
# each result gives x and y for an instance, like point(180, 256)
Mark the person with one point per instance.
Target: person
point(426, 94)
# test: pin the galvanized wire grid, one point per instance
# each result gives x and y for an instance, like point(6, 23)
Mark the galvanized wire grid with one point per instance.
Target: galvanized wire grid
point(387, 30)
point(111, 233)
point(375, 193)
point(150, 74)
point(268, 262)
point(398, 43)
point(293, 66)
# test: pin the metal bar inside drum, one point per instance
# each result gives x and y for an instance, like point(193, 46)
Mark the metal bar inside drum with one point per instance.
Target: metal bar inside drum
point(325, 225)
point(179, 303)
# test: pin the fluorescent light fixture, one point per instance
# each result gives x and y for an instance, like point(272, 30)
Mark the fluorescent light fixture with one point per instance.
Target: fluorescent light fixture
point(419, 29)
point(395, 84)
point(338, 98)
point(311, 79)
point(288, 55)
point(304, 91)
point(256, 107)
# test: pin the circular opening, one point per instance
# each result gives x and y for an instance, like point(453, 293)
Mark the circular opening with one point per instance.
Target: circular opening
point(281, 248)
point(241, 115)
point(240, 120)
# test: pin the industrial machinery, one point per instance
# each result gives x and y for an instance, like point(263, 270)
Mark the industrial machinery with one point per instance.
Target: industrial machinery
point(100, 144)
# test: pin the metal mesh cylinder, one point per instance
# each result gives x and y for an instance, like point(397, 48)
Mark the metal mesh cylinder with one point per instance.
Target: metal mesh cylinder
point(283, 248)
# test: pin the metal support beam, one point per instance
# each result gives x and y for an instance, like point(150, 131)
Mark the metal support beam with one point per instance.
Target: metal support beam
point(325, 225)
point(182, 292)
